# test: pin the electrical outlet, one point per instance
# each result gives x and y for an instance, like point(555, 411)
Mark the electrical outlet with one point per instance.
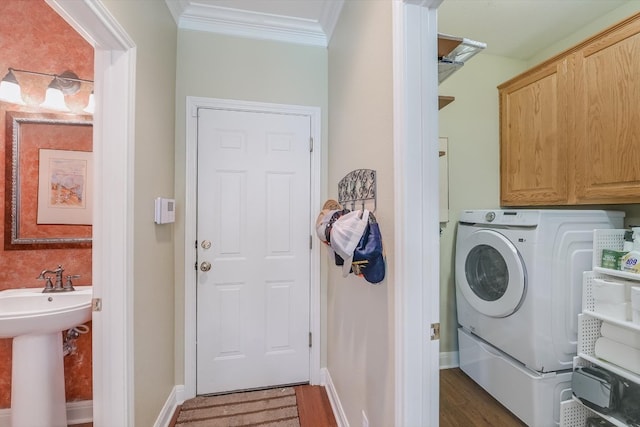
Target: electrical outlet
point(365, 420)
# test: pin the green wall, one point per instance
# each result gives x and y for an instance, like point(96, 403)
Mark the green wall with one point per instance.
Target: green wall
point(471, 125)
point(361, 347)
point(153, 30)
point(218, 66)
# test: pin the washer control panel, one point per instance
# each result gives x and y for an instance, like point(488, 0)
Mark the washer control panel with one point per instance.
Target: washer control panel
point(512, 217)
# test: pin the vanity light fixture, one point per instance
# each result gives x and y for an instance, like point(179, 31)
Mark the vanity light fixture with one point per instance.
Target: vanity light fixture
point(10, 89)
point(67, 83)
point(91, 105)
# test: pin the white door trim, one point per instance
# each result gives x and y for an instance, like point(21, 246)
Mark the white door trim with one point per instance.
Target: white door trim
point(190, 279)
point(113, 133)
point(416, 189)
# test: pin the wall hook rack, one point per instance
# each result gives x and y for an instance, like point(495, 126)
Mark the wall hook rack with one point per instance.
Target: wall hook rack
point(358, 186)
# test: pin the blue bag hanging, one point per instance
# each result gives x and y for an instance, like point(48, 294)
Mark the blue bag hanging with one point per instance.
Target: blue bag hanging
point(368, 257)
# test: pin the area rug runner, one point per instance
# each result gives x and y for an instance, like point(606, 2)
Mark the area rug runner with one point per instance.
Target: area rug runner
point(269, 408)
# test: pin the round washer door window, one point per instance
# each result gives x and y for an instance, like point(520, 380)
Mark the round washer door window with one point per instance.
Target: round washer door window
point(490, 273)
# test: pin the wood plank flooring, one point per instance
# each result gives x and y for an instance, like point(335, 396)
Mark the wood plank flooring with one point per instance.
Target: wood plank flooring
point(463, 403)
point(314, 408)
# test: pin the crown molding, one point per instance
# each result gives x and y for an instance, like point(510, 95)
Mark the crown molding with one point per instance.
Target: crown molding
point(242, 23)
point(330, 15)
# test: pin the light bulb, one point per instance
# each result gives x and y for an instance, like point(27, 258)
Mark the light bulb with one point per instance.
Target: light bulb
point(91, 105)
point(54, 98)
point(10, 89)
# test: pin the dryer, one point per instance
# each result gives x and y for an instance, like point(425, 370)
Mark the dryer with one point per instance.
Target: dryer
point(518, 277)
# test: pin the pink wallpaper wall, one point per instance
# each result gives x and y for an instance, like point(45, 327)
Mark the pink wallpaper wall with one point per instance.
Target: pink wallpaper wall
point(33, 37)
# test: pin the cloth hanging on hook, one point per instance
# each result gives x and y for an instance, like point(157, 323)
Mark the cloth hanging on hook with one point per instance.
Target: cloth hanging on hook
point(346, 232)
point(369, 260)
point(357, 245)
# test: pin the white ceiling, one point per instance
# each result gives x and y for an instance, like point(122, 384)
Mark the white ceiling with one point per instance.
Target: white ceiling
point(513, 28)
point(519, 28)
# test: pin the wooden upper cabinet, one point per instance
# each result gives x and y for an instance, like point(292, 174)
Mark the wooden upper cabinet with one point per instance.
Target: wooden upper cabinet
point(570, 127)
point(533, 163)
point(607, 103)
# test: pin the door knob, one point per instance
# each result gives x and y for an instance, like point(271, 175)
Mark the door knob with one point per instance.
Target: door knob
point(205, 266)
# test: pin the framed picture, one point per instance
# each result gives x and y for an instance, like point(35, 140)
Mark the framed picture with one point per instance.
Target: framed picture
point(64, 185)
point(48, 186)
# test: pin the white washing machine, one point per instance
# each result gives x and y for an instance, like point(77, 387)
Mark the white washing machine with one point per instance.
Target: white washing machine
point(518, 293)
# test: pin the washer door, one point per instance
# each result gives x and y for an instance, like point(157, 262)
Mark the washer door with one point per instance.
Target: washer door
point(490, 273)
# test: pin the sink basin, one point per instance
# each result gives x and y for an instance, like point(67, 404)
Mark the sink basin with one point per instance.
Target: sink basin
point(29, 311)
point(35, 320)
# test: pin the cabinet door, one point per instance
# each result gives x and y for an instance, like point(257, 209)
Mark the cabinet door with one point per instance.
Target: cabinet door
point(607, 112)
point(533, 138)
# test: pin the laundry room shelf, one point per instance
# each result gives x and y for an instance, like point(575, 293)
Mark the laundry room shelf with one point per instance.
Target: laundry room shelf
point(624, 324)
point(606, 239)
point(589, 305)
point(588, 333)
point(611, 367)
point(609, 239)
point(617, 273)
point(574, 413)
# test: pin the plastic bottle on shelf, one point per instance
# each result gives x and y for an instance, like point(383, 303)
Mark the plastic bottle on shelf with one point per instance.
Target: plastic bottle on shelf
point(636, 238)
point(630, 262)
point(629, 243)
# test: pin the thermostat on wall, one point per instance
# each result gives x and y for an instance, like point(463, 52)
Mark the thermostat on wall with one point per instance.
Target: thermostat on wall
point(165, 210)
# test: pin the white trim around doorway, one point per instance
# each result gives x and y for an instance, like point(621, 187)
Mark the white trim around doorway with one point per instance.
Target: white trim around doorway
point(190, 279)
point(416, 245)
point(112, 249)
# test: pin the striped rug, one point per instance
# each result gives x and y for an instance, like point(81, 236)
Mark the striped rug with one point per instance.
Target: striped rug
point(269, 408)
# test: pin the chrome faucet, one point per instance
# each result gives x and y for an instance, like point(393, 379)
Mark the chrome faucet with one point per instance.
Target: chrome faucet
point(58, 286)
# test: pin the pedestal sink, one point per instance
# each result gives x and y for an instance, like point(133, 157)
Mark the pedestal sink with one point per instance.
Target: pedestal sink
point(35, 320)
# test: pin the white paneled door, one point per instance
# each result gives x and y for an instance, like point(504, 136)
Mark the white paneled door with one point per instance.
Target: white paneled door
point(253, 230)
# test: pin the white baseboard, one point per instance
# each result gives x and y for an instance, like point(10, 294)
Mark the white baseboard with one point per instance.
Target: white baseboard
point(176, 397)
point(336, 406)
point(77, 413)
point(449, 360)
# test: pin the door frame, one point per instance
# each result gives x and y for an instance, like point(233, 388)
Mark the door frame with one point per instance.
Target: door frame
point(416, 189)
point(190, 279)
point(112, 248)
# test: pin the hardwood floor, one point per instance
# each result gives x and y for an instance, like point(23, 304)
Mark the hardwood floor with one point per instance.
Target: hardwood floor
point(463, 403)
point(314, 408)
